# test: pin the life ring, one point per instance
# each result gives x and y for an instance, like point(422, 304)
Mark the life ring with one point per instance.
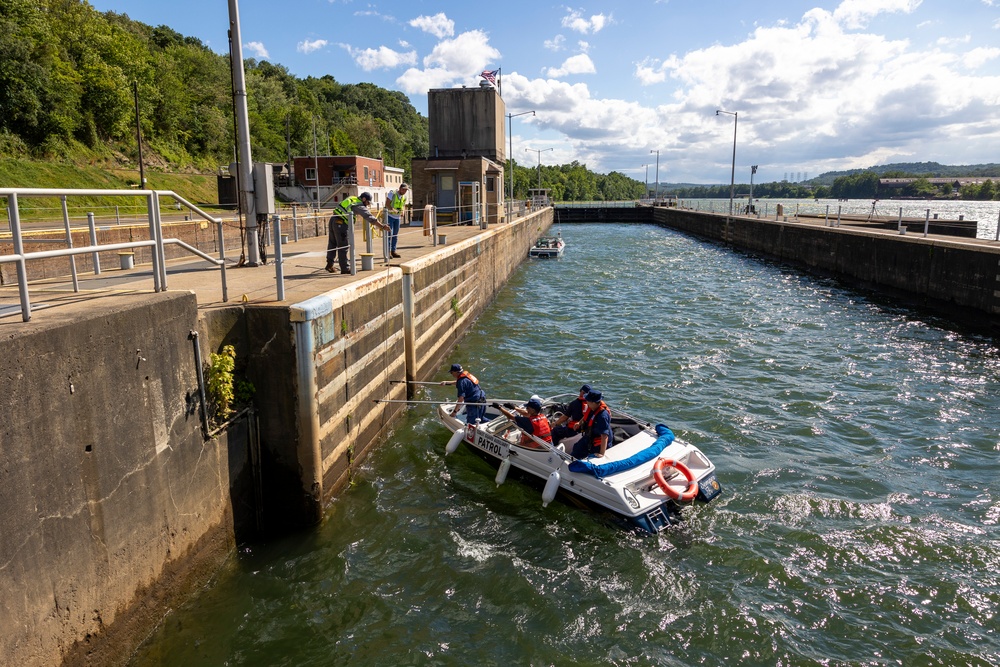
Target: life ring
point(692, 489)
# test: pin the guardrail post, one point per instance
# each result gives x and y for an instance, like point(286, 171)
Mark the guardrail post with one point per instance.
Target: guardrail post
point(927, 222)
point(69, 243)
point(295, 222)
point(434, 227)
point(93, 241)
point(22, 270)
point(222, 259)
point(351, 243)
point(279, 272)
point(159, 240)
point(152, 237)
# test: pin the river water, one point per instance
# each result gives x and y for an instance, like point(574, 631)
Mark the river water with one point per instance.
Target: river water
point(856, 442)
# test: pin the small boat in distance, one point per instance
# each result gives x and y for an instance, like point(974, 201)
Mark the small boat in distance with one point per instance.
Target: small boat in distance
point(645, 478)
point(547, 246)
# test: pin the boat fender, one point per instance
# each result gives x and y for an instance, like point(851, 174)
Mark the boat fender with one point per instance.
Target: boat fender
point(456, 438)
point(688, 494)
point(502, 471)
point(551, 488)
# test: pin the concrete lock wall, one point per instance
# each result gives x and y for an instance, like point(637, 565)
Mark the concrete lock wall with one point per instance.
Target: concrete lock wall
point(114, 506)
point(111, 499)
point(351, 343)
point(951, 276)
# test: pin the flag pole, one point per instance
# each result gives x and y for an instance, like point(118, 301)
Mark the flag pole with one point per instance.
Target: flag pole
point(500, 81)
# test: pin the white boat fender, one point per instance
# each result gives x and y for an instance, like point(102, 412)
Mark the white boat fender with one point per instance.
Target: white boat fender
point(456, 438)
point(503, 470)
point(551, 488)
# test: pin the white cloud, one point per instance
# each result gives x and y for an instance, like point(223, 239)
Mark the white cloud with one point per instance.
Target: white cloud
point(453, 60)
point(257, 49)
point(583, 46)
point(856, 13)
point(980, 56)
point(308, 46)
point(812, 95)
point(380, 58)
point(557, 43)
point(438, 25)
point(578, 64)
point(576, 21)
point(948, 41)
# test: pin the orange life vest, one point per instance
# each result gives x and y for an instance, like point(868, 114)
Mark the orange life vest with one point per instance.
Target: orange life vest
point(588, 424)
point(586, 408)
point(467, 374)
point(539, 428)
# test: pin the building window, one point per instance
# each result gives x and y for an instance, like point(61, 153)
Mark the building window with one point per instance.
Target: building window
point(366, 173)
point(310, 173)
point(489, 184)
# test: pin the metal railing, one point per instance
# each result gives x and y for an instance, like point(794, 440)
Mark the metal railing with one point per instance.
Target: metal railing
point(156, 241)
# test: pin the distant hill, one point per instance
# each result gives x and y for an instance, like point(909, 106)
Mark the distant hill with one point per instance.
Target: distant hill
point(914, 169)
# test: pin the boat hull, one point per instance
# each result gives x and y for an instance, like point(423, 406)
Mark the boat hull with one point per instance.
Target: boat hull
point(632, 495)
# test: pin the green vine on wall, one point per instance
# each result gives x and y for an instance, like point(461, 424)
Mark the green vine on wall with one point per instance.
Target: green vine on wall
point(455, 308)
point(224, 389)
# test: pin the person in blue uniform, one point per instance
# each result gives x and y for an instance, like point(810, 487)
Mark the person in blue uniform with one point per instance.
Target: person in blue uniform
point(470, 392)
point(565, 425)
point(532, 421)
point(595, 427)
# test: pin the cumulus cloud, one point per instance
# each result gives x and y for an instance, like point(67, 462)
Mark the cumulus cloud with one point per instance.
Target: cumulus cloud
point(308, 46)
point(557, 43)
point(257, 49)
point(857, 13)
point(578, 64)
point(980, 56)
point(438, 25)
point(380, 58)
point(451, 61)
point(812, 95)
point(576, 21)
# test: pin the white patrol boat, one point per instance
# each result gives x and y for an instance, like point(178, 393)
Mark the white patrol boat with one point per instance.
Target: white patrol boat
point(645, 477)
point(547, 246)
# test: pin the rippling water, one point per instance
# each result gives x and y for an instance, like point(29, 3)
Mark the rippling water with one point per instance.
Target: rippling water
point(856, 442)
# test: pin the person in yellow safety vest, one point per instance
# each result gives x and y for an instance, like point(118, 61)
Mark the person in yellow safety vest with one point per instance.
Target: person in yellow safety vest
point(341, 224)
point(395, 203)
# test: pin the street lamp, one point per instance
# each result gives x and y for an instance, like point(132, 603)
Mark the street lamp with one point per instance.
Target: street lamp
point(510, 142)
point(645, 192)
point(657, 195)
point(539, 151)
point(753, 170)
point(732, 176)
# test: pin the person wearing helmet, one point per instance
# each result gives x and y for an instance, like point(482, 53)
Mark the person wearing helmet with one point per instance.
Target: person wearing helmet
point(341, 224)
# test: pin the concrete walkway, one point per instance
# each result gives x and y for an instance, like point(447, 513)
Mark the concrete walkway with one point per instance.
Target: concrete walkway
point(304, 273)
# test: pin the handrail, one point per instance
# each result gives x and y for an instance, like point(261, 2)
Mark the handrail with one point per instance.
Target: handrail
point(156, 241)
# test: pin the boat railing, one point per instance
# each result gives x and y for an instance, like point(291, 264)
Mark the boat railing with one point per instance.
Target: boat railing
point(156, 241)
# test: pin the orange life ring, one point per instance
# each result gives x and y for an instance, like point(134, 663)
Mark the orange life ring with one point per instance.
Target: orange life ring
point(692, 489)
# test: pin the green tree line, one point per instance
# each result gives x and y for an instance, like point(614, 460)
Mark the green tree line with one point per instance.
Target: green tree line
point(68, 75)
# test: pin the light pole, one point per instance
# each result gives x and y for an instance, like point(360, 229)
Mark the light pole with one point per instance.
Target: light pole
point(510, 157)
point(732, 176)
point(657, 195)
point(753, 170)
point(645, 192)
point(539, 151)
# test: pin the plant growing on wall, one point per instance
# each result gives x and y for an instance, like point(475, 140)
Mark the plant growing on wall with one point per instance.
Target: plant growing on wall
point(220, 381)
point(455, 307)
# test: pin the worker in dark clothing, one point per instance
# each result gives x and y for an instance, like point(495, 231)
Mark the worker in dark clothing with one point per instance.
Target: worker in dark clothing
point(533, 422)
point(469, 392)
point(596, 428)
point(342, 224)
point(566, 425)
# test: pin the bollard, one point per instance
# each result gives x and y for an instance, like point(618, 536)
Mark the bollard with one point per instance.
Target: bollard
point(367, 261)
point(442, 239)
point(127, 260)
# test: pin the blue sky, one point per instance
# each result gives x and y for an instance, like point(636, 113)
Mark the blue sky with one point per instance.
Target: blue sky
point(818, 85)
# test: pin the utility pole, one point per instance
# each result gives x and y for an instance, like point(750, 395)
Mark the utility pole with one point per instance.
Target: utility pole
point(245, 165)
point(138, 136)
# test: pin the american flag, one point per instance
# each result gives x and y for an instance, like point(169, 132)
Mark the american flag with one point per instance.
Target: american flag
point(490, 76)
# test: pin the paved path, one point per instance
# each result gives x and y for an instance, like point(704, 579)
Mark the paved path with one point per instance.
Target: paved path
point(303, 264)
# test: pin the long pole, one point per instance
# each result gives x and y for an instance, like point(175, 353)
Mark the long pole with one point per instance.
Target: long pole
point(510, 158)
point(539, 151)
point(732, 175)
point(138, 137)
point(645, 192)
point(656, 197)
point(316, 162)
point(243, 125)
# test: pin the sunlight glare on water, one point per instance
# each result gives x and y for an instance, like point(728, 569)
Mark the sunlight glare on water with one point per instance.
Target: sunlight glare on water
point(856, 442)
